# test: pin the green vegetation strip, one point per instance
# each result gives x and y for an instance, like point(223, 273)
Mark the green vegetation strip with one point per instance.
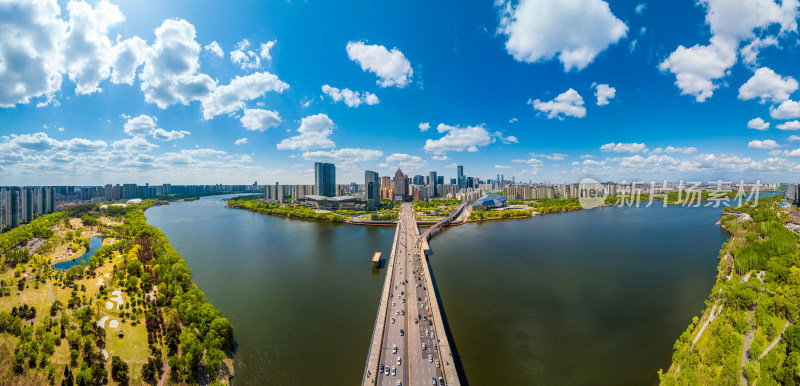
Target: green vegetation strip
point(753, 311)
point(162, 315)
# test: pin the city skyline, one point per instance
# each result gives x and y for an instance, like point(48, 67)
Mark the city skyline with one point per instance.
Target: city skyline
point(249, 101)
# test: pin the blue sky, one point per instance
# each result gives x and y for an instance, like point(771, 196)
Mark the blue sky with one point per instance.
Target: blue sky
point(235, 92)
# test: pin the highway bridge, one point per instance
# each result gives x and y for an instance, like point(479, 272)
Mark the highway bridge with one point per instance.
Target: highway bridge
point(409, 343)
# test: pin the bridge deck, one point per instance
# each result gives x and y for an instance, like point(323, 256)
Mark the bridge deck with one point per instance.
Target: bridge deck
point(414, 296)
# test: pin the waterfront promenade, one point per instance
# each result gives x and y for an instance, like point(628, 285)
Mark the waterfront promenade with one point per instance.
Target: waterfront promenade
point(409, 342)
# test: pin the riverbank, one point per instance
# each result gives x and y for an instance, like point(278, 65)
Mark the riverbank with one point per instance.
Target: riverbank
point(755, 295)
point(123, 314)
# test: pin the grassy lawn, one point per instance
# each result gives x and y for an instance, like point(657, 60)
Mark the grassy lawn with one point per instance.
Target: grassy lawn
point(133, 346)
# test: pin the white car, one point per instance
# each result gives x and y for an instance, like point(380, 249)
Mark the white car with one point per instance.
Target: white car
point(394, 371)
point(392, 320)
point(398, 361)
point(430, 358)
point(386, 371)
point(394, 350)
point(437, 364)
point(423, 345)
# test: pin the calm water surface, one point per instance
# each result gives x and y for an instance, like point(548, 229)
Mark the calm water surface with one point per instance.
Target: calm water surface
point(94, 244)
point(589, 297)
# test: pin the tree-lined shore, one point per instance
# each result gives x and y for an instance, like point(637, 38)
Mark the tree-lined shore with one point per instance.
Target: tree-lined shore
point(130, 314)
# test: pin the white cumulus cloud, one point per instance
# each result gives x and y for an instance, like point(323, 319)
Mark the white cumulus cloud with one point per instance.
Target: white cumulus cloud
point(766, 144)
point(568, 103)
point(29, 50)
point(406, 161)
point(791, 125)
point(86, 46)
point(259, 120)
point(231, 97)
point(264, 52)
point(458, 139)
point(140, 126)
point(133, 145)
point(246, 58)
point(391, 67)
point(170, 72)
point(681, 150)
point(215, 49)
point(163, 135)
point(315, 132)
point(604, 92)
point(351, 98)
point(575, 31)
point(240, 141)
point(788, 109)
point(343, 156)
point(424, 126)
point(766, 85)
point(127, 56)
point(699, 69)
point(623, 147)
point(757, 124)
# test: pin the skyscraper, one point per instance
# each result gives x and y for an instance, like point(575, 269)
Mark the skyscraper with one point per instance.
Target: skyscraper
point(400, 186)
point(41, 202)
point(26, 196)
point(433, 180)
point(324, 179)
point(372, 189)
point(5, 198)
point(49, 200)
point(419, 180)
point(462, 182)
point(13, 208)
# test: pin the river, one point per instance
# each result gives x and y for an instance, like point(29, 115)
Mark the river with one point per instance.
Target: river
point(589, 297)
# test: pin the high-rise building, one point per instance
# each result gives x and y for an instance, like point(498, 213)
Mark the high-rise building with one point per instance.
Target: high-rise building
point(419, 180)
point(372, 189)
point(5, 199)
point(401, 184)
point(26, 209)
point(13, 208)
point(324, 179)
point(462, 182)
point(50, 196)
point(432, 180)
point(439, 181)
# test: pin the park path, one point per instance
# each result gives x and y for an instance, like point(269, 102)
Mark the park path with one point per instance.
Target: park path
point(748, 339)
point(774, 343)
point(164, 373)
